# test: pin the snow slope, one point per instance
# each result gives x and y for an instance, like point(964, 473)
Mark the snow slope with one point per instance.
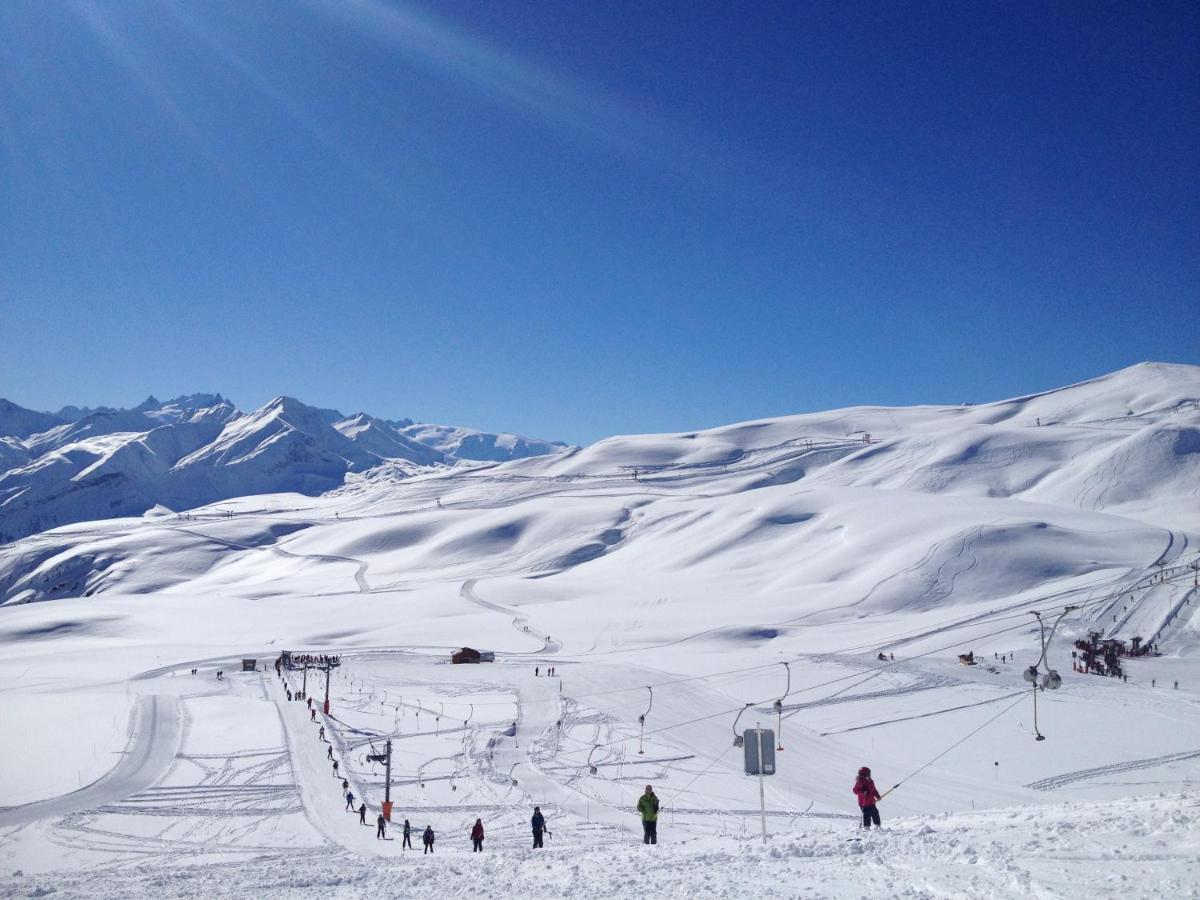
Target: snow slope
point(668, 579)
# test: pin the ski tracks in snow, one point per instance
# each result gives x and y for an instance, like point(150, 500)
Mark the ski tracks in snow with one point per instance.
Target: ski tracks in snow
point(360, 571)
point(519, 622)
point(1055, 782)
point(154, 738)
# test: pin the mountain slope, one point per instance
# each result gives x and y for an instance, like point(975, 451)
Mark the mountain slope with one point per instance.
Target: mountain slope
point(16, 421)
point(481, 446)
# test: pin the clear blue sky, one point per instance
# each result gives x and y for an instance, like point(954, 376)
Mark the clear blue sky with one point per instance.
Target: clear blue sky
point(578, 219)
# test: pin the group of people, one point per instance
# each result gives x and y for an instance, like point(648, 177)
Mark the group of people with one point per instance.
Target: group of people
point(427, 837)
point(537, 671)
point(647, 807)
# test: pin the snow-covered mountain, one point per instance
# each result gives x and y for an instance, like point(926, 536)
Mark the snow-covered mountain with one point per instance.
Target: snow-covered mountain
point(387, 442)
point(16, 421)
point(818, 574)
point(465, 443)
point(191, 450)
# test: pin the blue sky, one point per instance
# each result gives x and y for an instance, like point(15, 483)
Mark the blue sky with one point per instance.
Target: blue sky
point(572, 220)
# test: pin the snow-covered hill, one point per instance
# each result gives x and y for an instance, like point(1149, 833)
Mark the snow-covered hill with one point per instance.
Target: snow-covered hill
point(679, 585)
point(190, 451)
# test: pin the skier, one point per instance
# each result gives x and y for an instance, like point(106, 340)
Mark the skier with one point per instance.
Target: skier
point(537, 670)
point(381, 828)
point(477, 836)
point(345, 785)
point(1177, 685)
point(350, 800)
point(321, 734)
point(539, 825)
point(329, 752)
point(310, 702)
point(864, 787)
point(407, 845)
point(428, 839)
point(312, 714)
point(362, 814)
point(648, 808)
point(289, 693)
point(335, 768)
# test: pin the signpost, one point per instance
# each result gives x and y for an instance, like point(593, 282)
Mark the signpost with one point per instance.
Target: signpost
point(759, 746)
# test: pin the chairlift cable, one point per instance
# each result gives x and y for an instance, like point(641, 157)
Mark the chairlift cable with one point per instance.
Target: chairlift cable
point(962, 740)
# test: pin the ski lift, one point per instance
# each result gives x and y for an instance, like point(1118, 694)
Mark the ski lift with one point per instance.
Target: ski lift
point(737, 738)
point(1051, 681)
point(642, 722)
point(592, 766)
point(779, 707)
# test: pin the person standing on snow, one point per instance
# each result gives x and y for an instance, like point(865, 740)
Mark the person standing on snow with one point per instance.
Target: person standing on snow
point(381, 828)
point(477, 836)
point(428, 839)
point(539, 825)
point(362, 814)
point(648, 809)
point(350, 800)
point(407, 845)
point(867, 795)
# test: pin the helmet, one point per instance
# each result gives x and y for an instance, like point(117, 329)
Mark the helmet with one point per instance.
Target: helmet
point(864, 771)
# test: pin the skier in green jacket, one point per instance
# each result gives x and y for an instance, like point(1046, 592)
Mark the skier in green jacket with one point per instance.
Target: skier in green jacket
point(648, 809)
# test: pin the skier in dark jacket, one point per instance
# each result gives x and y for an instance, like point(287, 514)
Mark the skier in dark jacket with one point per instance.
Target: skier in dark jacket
point(868, 795)
point(350, 800)
point(427, 837)
point(407, 845)
point(362, 814)
point(381, 828)
point(539, 825)
point(477, 836)
point(648, 809)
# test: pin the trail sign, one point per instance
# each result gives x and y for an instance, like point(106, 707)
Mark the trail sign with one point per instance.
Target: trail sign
point(753, 747)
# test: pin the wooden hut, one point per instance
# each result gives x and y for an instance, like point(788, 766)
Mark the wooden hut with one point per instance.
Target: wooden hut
point(465, 655)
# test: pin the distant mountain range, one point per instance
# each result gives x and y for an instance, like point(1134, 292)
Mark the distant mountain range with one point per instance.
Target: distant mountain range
point(79, 463)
